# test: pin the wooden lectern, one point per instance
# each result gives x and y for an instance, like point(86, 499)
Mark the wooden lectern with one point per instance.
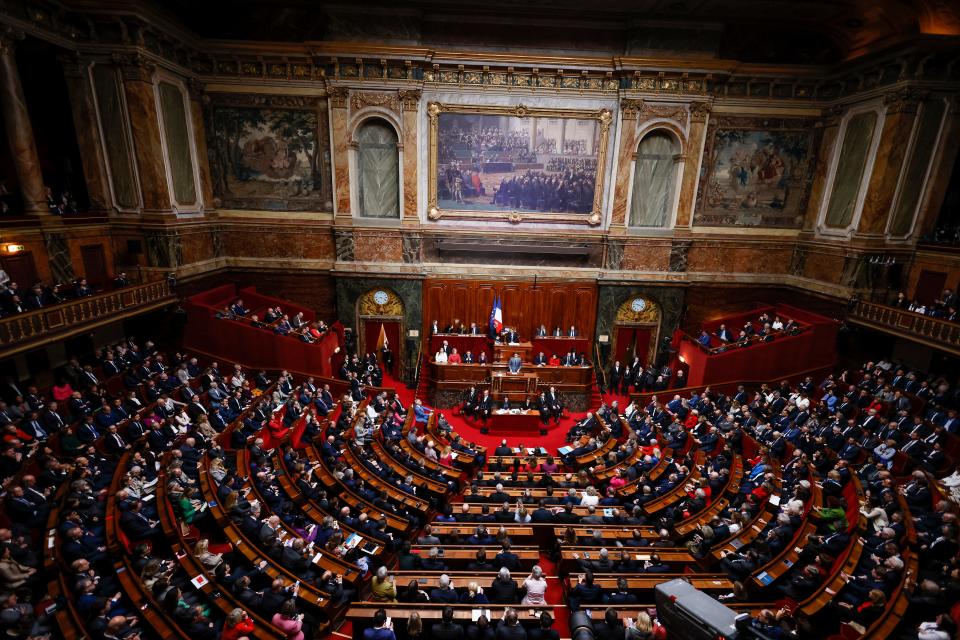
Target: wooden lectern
point(503, 351)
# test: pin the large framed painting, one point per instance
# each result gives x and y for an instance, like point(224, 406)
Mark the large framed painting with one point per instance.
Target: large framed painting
point(756, 172)
point(269, 152)
point(517, 163)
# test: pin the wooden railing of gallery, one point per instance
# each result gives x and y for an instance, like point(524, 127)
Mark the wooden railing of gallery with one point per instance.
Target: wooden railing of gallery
point(34, 328)
point(934, 332)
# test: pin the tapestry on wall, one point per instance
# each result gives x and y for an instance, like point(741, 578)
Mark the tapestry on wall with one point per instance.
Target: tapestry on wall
point(756, 172)
point(269, 152)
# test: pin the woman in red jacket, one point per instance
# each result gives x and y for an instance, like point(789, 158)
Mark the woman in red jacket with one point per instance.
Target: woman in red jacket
point(238, 626)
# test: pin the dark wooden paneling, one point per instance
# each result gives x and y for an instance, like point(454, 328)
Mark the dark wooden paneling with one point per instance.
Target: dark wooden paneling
point(94, 265)
point(525, 305)
point(22, 269)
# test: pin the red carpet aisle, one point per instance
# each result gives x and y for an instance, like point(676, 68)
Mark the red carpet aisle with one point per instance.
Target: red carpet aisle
point(470, 429)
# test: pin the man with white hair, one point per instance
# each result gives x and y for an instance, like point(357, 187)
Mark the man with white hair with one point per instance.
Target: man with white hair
point(503, 589)
point(444, 593)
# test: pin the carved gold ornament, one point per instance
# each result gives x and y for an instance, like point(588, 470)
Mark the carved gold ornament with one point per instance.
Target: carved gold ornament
point(369, 303)
point(638, 310)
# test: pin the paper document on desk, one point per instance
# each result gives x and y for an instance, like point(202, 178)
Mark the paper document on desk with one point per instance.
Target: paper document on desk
point(476, 613)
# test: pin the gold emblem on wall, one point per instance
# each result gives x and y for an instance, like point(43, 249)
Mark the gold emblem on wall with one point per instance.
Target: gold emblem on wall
point(380, 303)
point(638, 311)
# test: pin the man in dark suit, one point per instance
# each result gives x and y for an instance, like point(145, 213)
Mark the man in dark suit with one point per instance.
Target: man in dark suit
point(603, 564)
point(446, 629)
point(503, 589)
point(507, 558)
point(616, 375)
point(485, 406)
point(136, 525)
point(585, 592)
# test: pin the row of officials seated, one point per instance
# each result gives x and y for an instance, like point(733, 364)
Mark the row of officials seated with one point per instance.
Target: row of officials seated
point(479, 404)
point(449, 355)
point(508, 334)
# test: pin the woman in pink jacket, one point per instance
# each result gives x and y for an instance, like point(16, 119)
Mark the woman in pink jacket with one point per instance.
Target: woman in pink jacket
point(289, 621)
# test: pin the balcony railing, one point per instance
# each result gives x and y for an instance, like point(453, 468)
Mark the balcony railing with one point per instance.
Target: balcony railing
point(941, 334)
point(33, 328)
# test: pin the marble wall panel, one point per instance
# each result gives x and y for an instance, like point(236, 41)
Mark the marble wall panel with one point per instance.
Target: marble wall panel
point(376, 246)
point(285, 241)
point(824, 266)
point(645, 256)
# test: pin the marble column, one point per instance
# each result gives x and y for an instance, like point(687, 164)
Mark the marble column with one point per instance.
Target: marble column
point(196, 90)
point(76, 71)
point(940, 173)
point(410, 112)
point(699, 113)
point(339, 123)
point(16, 120)
point(137, 73)
point(830, 123)
point(888, 164)
point(629, 111)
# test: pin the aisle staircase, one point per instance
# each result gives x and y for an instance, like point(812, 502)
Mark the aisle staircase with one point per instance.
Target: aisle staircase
point(423, 385)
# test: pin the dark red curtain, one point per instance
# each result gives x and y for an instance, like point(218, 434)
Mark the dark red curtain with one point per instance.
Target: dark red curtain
point(627, 339)
point(371, 336)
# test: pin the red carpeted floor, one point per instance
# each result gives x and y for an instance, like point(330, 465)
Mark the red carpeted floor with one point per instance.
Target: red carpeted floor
point(470, 429)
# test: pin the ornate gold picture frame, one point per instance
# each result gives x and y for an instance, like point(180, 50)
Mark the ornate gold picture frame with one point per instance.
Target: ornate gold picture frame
point(517, 172)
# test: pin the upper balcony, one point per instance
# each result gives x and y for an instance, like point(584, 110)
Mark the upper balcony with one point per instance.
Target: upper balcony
point(933, 332)
point(33, 329)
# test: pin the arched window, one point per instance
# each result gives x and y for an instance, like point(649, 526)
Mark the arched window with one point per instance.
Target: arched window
point(378, 170)
point(654, 180)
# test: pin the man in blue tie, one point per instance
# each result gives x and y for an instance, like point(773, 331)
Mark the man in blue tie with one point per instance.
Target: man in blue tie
point(514, 363)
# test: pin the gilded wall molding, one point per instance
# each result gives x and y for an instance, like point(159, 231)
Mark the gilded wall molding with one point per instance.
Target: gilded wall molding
point(339, 97)
point(630, 108)
point(362, 99)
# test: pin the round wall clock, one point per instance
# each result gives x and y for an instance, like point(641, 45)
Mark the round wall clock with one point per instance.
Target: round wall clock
point(381, 297)
point(638, 305)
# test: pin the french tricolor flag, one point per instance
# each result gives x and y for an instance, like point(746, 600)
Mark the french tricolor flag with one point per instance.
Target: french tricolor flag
point(496, 318)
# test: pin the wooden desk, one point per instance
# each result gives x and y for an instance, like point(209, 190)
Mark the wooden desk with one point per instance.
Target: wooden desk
point(448, 381)
point(465, 554)
point(512, 384)
point(649, 581)
point(516, 423)
point(503, 351)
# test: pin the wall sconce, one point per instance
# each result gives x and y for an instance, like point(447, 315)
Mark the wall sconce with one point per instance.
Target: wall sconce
point(682, 359)
point(13, 248)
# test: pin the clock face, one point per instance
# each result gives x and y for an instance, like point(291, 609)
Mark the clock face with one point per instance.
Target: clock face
point(380, 297)
point(638, 305)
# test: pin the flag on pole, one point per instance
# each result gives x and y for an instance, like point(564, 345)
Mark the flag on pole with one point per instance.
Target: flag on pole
point(382, 340)
point(496, 318)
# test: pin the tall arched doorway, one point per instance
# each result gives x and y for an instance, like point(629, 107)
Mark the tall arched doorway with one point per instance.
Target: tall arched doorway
point(636, 330)
point(379, 318)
